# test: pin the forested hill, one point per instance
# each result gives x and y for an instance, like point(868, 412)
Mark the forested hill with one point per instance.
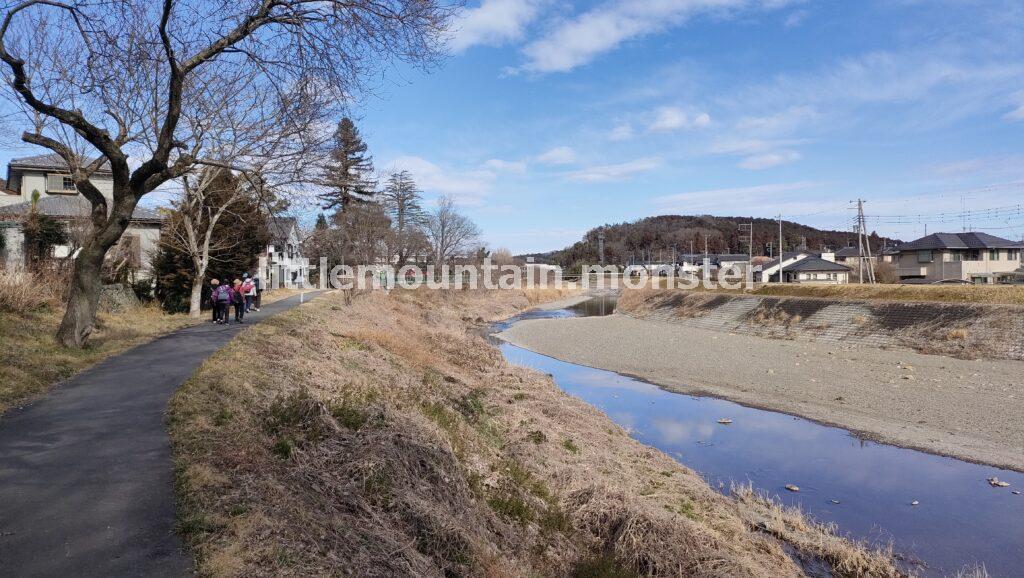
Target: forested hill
point(658, 235)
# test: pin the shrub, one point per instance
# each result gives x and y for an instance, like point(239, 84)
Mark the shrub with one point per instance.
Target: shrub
point(24, 291)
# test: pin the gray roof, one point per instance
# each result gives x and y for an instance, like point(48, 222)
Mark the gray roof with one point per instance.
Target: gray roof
point(816, 264)
point(790, 255)
point(69, 206)
point(938, 241)
point(279, 228)
point(848, 252)
point(51, 161)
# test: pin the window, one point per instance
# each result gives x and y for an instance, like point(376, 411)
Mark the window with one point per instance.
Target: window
point(968, 255)
point(1013, 254)
point(925, 256)
point(60, 184)
point(993, 254)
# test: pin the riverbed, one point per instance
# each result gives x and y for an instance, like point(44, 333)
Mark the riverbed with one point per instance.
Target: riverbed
point(940, 514)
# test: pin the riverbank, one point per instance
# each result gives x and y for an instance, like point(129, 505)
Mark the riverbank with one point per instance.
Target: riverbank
point(383, 435)
point(969, 409)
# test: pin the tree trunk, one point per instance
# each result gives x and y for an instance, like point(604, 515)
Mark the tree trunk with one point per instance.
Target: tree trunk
point(194, 302)
point(86, 281)
point(83, 297)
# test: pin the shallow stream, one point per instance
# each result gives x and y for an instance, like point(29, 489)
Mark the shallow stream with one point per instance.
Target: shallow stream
point(867, 489)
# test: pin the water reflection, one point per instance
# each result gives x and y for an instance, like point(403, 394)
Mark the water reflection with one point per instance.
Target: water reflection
point(960, 519)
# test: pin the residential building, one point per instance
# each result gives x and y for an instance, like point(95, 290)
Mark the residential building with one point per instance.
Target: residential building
point(806, 267)
point(975, 257)
point(47, 177)
point(282, 263)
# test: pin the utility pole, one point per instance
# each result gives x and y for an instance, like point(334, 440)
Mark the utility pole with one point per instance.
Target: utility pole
point(750, 247)
point(782, 254)
point(864, 245)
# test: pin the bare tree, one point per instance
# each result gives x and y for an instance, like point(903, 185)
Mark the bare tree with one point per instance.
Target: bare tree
point(449, 231)
point(99, 82)
point(206, 197)
point(403, 203)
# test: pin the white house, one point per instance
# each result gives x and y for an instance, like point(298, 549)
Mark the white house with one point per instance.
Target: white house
point(282, 264)
point(47, 177)
point(806, 267)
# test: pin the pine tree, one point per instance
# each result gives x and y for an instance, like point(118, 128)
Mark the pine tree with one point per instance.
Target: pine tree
point(403, 203)
point(321, 222)
point(348, 176)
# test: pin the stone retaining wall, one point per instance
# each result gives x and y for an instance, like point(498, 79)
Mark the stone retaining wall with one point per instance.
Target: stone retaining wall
point(956, 329)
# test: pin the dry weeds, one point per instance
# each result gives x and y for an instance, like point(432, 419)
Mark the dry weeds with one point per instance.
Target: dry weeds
point(382, 436)
point(23, 291)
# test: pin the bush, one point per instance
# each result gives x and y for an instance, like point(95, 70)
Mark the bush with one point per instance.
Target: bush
point(24, 291)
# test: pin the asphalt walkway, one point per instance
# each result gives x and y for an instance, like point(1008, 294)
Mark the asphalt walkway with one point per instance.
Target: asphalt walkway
point(86, 479)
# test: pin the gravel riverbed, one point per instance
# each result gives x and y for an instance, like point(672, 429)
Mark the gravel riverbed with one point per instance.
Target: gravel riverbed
point(968, 409)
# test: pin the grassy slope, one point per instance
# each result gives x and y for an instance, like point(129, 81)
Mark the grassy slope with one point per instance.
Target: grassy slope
point(31, 361)
point(992, 294)
point(384, 436)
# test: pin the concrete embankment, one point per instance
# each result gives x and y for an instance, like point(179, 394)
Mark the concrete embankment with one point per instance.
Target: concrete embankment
point(840, 363)
point(964, 330)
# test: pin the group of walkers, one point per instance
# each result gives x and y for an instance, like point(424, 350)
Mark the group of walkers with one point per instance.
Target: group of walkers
point(243, 294)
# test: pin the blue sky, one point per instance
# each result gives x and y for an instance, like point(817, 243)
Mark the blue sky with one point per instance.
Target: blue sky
point(554, 117)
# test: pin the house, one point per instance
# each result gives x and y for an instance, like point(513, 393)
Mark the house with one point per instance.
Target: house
point(282, 263)
point(47, 177)
point(806, 267)
point(974, 257)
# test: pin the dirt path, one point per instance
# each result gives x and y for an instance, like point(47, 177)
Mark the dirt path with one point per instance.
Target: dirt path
point(967, 409)
point(86, 474)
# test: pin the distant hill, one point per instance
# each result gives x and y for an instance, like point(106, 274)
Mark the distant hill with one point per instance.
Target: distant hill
point(655, 237)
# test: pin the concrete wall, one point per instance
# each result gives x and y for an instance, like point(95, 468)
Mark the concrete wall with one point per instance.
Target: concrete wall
point(13, 254)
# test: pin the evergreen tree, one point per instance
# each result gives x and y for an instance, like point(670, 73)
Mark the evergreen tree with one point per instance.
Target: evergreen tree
point(321, 222)
point(403, 203)
point(348, 174)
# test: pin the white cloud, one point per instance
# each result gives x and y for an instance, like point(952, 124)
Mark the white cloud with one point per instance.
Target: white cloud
point(621, 132)
point(615, 172)
point(493, 23)
point(772, 197)
point(796, 18)
point(1018, 113)
point(558, 156)
point(768, 160)
point(672, 118)
point(466, 187)
point(499, 165)
point(782, 121)
point(579, 40)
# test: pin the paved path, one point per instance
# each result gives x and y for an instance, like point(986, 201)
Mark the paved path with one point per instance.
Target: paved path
point(86, 480)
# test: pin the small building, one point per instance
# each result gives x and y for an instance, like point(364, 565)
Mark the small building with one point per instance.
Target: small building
point(972, 257)
point(282, 262)
point(47, 177)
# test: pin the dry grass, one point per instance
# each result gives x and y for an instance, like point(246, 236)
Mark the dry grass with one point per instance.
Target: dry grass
point(847, 558)
point(382, 435)
point(31, 361)
point(22, 291)
point(992, 294)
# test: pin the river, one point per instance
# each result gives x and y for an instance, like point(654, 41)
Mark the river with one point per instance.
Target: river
point(868, 489)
